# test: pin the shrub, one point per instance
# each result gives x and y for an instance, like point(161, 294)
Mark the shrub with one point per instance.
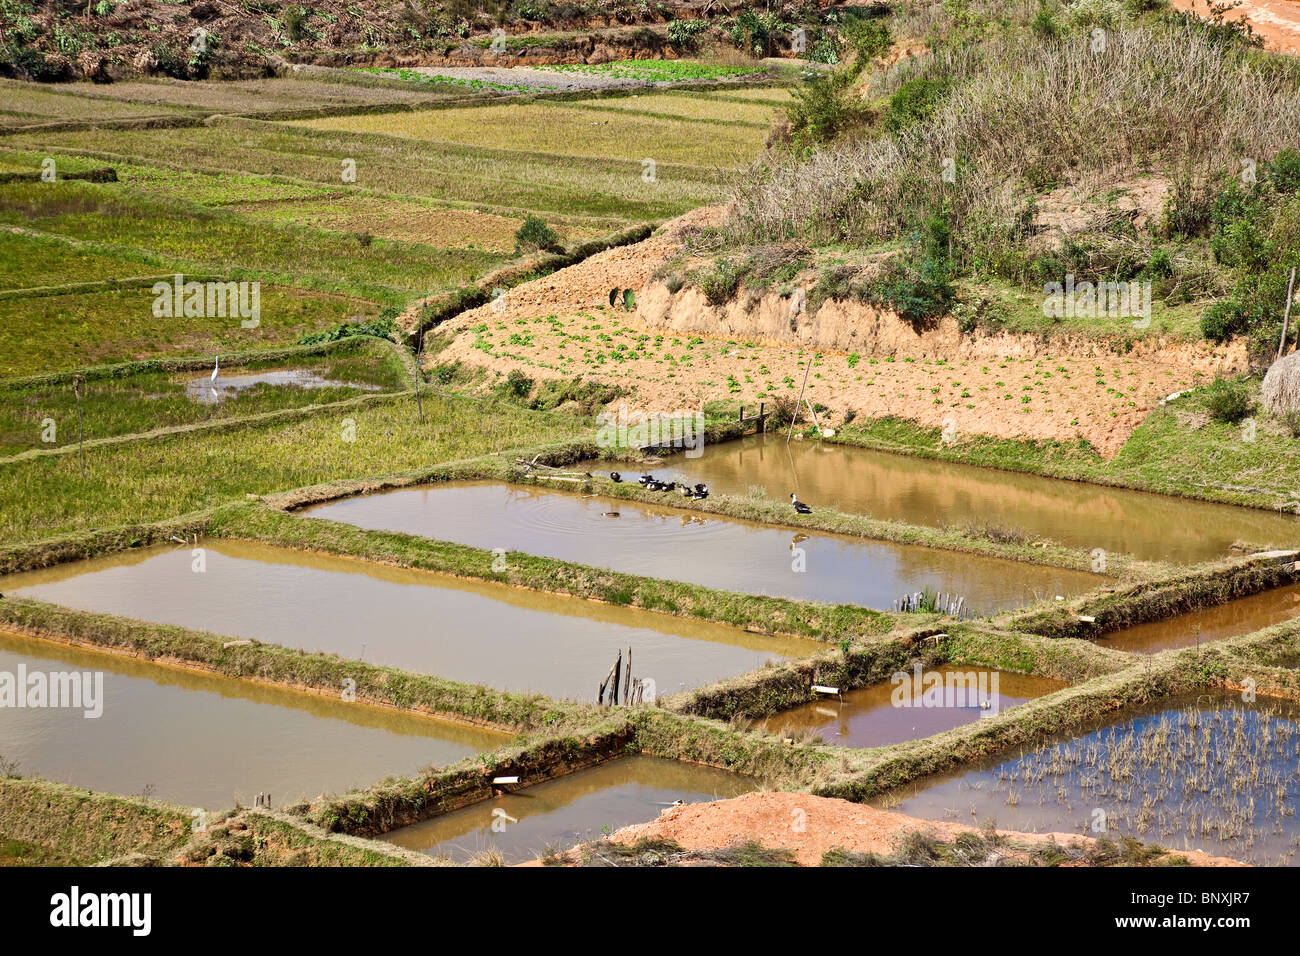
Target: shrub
point(867, 39)
point(1221, 320)
point(535, 236)
point(916, 292)
point(683, 34)
point(169, 62)
point(446, 372)
point(826, 49)
point(1284, 171)
point(383, 327)
point(517, 384)
point(1044, 23)
point(914, 101)
point(825, 107)
point(720, 283)
point(1228, 402)
point(783, 413)
point(754, 32)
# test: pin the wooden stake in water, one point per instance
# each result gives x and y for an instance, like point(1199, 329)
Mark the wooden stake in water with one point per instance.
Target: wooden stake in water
point(81, 450)
point(627, 678)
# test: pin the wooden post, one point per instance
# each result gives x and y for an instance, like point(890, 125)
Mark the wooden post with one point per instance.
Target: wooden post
point(1286, 316)
point(807, 368)
point(627, 678)
point(613, 697)
point(611, 676)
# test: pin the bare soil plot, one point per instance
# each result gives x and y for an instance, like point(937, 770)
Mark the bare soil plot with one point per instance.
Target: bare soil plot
point(563, 326)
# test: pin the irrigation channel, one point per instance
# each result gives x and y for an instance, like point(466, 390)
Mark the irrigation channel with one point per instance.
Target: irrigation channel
point(682, 545)
point(208, 741)
point(1242, 616)
point(1204, 773)
point(560, 813)
point(870, 717)
point(940, 493)
point(503, 637)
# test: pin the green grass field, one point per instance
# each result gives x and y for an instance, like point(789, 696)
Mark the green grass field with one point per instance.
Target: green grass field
point(50, 332)
point(430, 210)
point(564, 130)
point(142, 402)
point(153, 480)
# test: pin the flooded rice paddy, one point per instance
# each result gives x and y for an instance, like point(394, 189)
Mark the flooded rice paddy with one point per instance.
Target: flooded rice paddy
point(491, 634)
point(209, 391)
point(1242, 616)
point(204, 740)
point(891, 712)
point(1206, 773)
point(714, 552)
point(939, 494)
point(561, 813)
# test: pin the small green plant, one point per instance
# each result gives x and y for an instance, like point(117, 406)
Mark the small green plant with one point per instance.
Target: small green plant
point(1228, 402)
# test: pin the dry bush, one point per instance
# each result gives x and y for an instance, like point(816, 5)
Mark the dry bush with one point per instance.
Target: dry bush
point(1023, 113)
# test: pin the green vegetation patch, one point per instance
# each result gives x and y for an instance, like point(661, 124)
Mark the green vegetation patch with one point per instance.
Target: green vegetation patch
point(185, 472)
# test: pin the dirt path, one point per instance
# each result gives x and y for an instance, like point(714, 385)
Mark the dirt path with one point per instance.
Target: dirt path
point(1276, 21)
point(809, 826)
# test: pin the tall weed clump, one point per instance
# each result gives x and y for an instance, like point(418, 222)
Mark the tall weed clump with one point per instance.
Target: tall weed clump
point(979, 130)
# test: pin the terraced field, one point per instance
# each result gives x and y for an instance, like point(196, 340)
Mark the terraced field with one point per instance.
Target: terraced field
point(391, 490)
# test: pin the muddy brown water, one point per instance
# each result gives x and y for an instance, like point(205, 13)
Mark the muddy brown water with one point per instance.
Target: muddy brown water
point(1227, 789)
point(939, 494)
point(1242, 616)
point(570, 810)
point(707, 550)
point(894, 711)
point(207, 741)
point(481, 633)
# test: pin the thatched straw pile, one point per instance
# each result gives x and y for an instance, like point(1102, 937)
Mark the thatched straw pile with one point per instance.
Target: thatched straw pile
point(1282, 385)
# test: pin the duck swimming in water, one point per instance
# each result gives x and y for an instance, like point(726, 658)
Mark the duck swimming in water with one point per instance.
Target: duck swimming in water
point(799, 506)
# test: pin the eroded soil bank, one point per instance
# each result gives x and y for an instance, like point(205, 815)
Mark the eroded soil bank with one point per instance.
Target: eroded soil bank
point(675, 351)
